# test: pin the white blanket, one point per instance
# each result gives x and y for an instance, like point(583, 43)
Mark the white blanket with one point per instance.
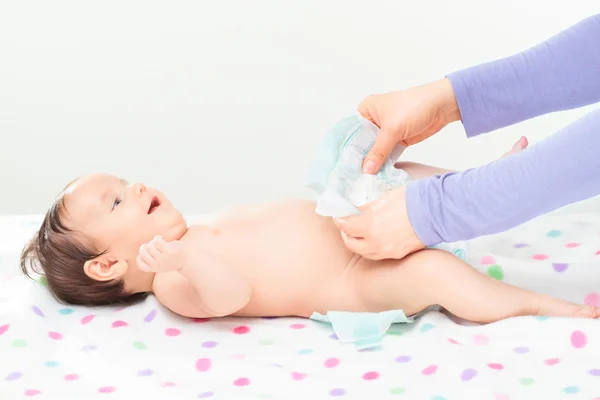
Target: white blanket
point(52, 351)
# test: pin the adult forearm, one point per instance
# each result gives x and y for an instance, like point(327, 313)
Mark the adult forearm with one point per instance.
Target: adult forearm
point(558, 74)
point(560, 170)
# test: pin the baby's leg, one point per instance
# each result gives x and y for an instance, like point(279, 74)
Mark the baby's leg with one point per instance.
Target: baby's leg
point(421, 171)
point(435, 277)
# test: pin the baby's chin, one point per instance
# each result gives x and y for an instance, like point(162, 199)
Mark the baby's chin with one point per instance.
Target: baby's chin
point(176, 230)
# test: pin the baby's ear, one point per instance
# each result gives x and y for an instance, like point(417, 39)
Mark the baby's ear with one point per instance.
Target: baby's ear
point(104, 269)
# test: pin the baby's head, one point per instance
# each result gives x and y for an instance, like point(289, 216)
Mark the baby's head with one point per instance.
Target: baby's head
point(90, 237)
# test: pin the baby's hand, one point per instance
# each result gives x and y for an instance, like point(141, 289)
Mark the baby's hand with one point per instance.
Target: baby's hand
point(161, 256)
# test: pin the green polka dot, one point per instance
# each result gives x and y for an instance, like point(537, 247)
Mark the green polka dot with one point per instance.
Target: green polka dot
point(140, 345)
point(553, 234)
point(43, 281)
point(19, 343)
point(526, 381)
point(397, 390)
point(266, 342)
point(495, 271)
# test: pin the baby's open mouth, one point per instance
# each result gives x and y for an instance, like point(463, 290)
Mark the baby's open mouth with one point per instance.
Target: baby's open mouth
point(153, 205)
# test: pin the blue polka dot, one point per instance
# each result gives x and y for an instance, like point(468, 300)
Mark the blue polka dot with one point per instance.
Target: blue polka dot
point(306, 351)
point(438, 398)
point(542, 317)
point(553, 234)
point(66, 311)
point(571, 389)
point(427, 327)
point(51, 364)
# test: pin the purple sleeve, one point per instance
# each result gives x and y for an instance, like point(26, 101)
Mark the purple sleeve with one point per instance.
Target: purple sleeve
point(562, 169)
point(559, 74)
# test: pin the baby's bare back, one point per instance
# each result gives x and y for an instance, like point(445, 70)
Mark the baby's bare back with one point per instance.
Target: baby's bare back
point(294, 259)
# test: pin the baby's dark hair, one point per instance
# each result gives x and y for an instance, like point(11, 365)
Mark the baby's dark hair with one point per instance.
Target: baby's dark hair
point(60, 253)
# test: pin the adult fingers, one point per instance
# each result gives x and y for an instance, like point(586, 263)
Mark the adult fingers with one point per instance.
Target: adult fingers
point(381, 150)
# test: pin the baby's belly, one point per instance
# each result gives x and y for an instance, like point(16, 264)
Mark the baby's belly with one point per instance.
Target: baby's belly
point(295, 259)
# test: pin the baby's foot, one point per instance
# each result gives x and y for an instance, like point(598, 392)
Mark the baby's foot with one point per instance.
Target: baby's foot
point(587, 312)
point(521, 144)
point(553, 307)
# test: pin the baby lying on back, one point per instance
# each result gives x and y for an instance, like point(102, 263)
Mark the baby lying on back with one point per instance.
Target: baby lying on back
point(105, 241)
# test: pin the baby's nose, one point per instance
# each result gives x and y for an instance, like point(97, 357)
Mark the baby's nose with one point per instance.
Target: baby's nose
point(139, 189)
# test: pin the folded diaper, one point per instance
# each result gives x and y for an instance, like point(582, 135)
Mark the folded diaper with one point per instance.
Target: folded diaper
point(365, 329)
point(336, 173)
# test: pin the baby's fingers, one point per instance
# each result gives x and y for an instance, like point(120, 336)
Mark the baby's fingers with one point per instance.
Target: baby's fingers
point(153, 249)
point(144, 256)
point(142, 265)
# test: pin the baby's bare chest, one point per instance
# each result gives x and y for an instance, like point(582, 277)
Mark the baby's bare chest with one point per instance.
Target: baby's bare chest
point(279, 242)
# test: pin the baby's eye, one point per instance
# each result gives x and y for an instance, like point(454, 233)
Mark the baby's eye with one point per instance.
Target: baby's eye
point(116, 203)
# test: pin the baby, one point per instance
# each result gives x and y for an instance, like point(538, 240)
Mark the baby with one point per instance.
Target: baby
point(105, 241)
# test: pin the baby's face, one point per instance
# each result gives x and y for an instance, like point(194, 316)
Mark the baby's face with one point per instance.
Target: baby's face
point(118, 216)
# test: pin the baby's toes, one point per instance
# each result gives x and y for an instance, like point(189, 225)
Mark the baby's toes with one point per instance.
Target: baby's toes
point(588, 312)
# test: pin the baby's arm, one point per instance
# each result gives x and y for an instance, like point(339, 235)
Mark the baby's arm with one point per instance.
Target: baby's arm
point(192, 282)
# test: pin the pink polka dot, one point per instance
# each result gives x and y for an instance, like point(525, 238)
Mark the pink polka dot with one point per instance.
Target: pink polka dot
point(203, 364)
point(486, 260)
point(238, 356)
point(55, 335)
point(297, 326)
point(71, 377)
point(551, 361)
point(598, 253)
point(540, 257)
point(496, 366)
point(241, 382)
point(32, 392)
point(453, 341)
point(371, 376)
point(240, 330)
point(87, 319)
point(167, 384)
point(172, 332)
point(332, 362)
point(480, 340)
point(592, 299)
point(106, 389)
point(119, 323)
point(432, 369)
point(298, 376)
point(572, 245)
point(501, 396)
point(578, 339)
point(4, 328)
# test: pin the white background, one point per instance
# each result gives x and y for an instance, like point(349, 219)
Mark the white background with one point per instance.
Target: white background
point(224, 102)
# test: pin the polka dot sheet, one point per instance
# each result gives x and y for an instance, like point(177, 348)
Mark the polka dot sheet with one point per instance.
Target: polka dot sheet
point(53, 351)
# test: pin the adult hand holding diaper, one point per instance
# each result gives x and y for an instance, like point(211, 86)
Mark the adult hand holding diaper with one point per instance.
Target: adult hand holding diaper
point(336, 173)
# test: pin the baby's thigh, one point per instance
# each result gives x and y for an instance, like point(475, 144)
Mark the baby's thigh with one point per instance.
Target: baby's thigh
point(409, 284)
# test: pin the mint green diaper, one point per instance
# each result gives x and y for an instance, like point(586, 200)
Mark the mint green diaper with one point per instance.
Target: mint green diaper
point(365, 329)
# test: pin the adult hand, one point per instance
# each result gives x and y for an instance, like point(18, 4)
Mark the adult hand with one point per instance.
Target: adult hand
point(383, 230)
point(407, 117)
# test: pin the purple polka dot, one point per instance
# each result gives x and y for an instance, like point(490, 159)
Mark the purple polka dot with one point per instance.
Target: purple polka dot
point(13, 376)
point(520, 245)
point(521, 350)
point(595, 372)
point(334, 336)
point(468, 374)
point(209, 344)
point(560, 267)
point(89, 348)
point(403, 359)
point(205, 395)
point(37, 310)
point(106, 389)
point(150, 316)
point(145, 372)
point(337, 392)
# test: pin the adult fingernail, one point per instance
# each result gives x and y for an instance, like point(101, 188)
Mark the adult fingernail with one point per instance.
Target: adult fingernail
point(369, 167)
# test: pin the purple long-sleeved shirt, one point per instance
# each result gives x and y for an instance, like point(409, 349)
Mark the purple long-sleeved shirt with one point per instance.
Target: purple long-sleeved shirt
point(559, 74)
